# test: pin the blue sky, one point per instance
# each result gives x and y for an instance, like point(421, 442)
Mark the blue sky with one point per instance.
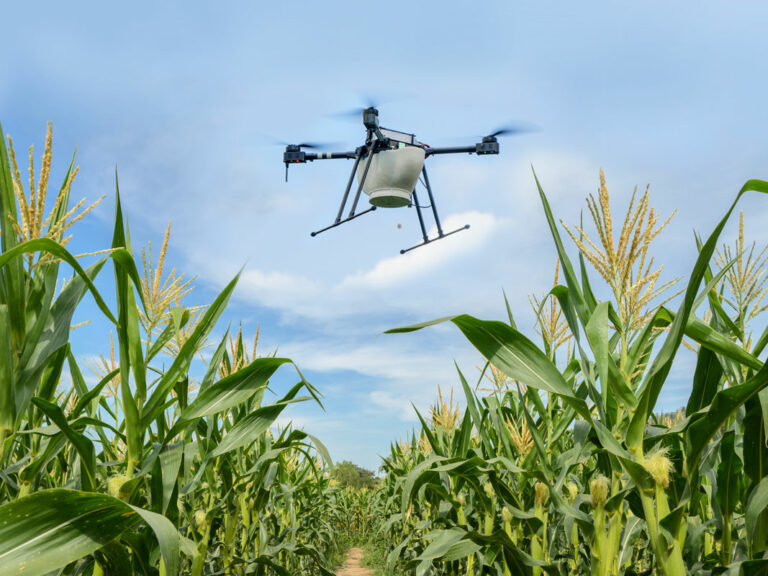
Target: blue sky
point(186, 99)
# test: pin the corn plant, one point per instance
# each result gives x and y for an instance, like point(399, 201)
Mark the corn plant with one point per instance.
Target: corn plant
point(147, 471)
point(564, 467)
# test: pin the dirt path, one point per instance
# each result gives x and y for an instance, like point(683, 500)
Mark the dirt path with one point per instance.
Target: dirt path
point(352, 564)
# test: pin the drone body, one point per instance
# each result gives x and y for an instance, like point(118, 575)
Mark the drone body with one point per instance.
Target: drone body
point(388, 166)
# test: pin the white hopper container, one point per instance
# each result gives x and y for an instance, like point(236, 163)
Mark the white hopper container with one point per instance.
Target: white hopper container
point(392, 176)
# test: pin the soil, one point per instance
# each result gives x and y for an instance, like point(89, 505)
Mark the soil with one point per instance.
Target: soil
point(352, 565)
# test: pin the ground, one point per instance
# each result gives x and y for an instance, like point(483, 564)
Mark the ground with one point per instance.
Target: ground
point(352, 565)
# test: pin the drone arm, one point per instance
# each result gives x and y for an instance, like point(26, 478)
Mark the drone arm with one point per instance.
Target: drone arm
point(310, 157)
point(450, 150)
point(487, 146)
point(295, 155)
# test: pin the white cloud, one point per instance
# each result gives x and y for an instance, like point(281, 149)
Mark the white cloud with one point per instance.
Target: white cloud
point(410, 357)
point(390, 286)
point(278, 289)
point(402, 406)
point(419, 263)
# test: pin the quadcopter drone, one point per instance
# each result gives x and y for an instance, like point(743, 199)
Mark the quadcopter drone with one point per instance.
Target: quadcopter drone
point(388, 167)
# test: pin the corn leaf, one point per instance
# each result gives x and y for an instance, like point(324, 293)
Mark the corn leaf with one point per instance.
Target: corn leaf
point(47, 530)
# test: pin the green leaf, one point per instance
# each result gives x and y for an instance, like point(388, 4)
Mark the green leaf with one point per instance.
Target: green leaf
point(128, 339)
point(705, 381)
point(12, 276)
point(183, 359)
point(754, 450)
point(214, 363)
point(414, 476)
point(256, 423)
point(748, 568)
point(728, 475)
point(564, 299)
point(474, 411)
point(611, 380)
point(442, 542)
point(38, 353)
point(49, 529)
point(168, 538)
point(700, 430)
point(170, 462)
point(461, 550)
point(576, 295)
point(233, 389)
point(717, 342)
point(320, 447)
point(662, 364)
point(115, 560)
point(81, 443)
point(518, 358)
point(7, 383)
point(509, 311)
point(513, 354)
point(414, 327)
point(57, 250)
point(755, 506)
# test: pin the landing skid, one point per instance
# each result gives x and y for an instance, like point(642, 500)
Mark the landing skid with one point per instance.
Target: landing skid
point(340, 222)
point(438, 237)
point(440, 233)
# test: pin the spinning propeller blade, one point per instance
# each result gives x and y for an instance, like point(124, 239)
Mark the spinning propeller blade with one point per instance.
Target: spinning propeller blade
point(267, 140)
point(351, 114)
point(312, 145)
point(368, 101)
point(512, 129)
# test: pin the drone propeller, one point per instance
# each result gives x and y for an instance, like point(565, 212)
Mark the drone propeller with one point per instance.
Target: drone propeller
point(311, 145)
point(367, 101)
point(512, 129)
point(352, 113)
point(267, 140)
point(293, 153)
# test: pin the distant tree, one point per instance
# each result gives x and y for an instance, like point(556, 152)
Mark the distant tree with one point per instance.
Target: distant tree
point(351, 475)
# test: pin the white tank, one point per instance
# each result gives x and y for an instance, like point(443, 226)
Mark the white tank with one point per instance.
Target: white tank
point(392, 176)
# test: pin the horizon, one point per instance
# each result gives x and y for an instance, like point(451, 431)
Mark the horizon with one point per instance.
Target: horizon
point(187, 102)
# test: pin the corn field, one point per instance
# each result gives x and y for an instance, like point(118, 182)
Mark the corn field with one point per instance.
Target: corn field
point(559, 463)
point(145, 471)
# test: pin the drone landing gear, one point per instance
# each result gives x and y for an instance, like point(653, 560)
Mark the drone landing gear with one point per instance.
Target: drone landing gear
point(339, 222)
point(351, 215)
point(440, 233)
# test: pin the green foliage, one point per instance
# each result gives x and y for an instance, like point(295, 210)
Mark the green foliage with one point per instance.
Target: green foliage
point(147, 471)
point(562, 467)
point(350, 475)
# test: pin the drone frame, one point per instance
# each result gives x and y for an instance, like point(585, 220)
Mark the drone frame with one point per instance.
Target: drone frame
point(378, 139)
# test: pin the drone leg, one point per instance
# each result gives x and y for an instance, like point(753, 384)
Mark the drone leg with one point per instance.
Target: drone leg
point(349, 187)
point(432, 201)
point(362, 181)
point(421, 218)
point(440, 233)
point(340, 222)
point(466, 227)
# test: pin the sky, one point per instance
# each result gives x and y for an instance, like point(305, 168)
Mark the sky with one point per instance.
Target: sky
point(189, 101)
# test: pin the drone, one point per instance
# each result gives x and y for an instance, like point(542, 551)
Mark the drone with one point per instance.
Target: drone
point(388, 167)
